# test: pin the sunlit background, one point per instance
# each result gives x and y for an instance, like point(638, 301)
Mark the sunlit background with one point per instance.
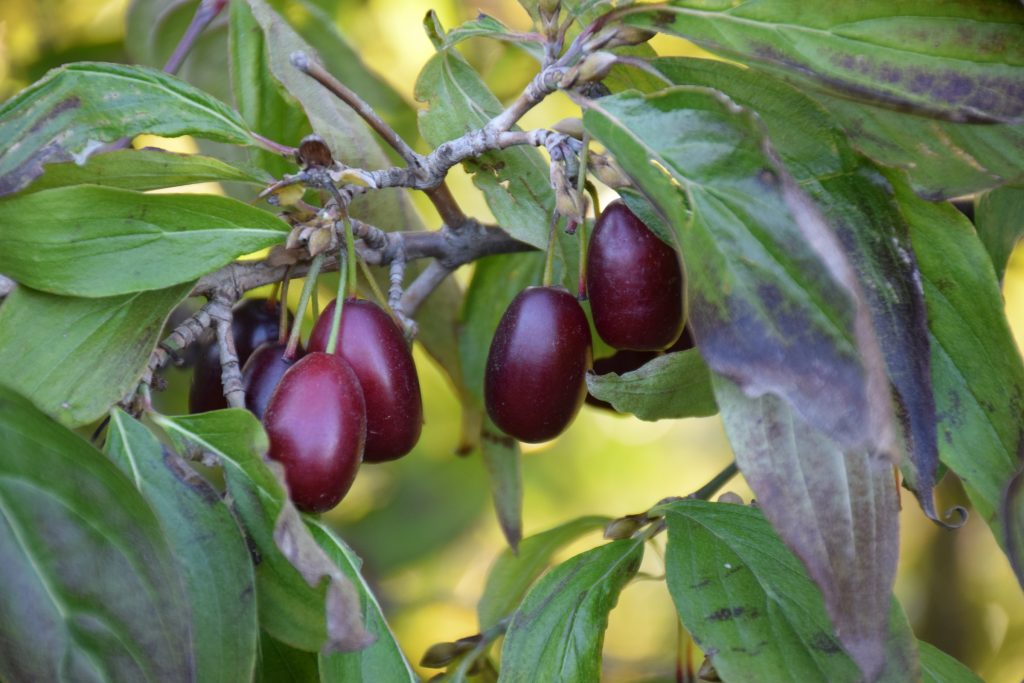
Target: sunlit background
point(425, 526)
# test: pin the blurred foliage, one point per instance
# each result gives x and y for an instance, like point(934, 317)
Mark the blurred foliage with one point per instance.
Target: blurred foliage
point(424, 524)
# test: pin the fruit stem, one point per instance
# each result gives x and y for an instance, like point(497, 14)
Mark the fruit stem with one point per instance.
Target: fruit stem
point(718, 481)
point(315, 301)
point(339, 302)
point(300, 313)
point(549, 261)
point(372, 284)
point(282, 325)
point(581, 184)
point(350, 256)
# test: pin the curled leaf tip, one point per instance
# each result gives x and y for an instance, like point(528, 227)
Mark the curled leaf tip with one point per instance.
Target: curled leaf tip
point(959, 512)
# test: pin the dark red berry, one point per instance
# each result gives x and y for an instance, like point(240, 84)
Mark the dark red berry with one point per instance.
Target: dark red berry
point(262, 373)
point(684, 343)
point(634, 282)
point(316, 421)
point(254, 321)
point(619, 362)
point(536, 369)
point(374, 346)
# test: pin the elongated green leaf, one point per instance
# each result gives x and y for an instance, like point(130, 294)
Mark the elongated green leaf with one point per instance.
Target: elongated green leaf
point(207, 545)
point(670, 386)
point(558, 631)
point(938, 667)
point(751, 607)
point(501, 455)
point(836, 509)
point(957, 60)
point(381, 661)
point(91, 590)
point(281, 663)
point(514, 572)
point(258, 96)
point(486, 26)
point(100, 241)
point(145, 169)
point(1011, 513)
point(942, 159)
point(515, 182)
point(976, 368)
point(296, 605)
point(75, 108)
point(1000, 219)
point(77, 357)
point(855, 199)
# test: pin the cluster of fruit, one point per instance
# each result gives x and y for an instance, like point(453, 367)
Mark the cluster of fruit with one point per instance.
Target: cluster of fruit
point(325, 413)
point(535, 381)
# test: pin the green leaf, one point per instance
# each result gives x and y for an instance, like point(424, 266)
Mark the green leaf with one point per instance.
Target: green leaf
point(72, 110)
point(750, 605)
point(100, 241)
point(976, 368)
point(91, 590)
point(671, 386)
point(207, 546)
point(502, 456)
point(381, 661)
point(835, 508)
point(999, 217)
point(514, 572)
point(856, 200)
point(938, 667)
point(145, 170)
point(259, 97)
point(486, 26)
point(515, 182)
point(957, 60)
point(281, 663)
point(1011, 513)
point(558, 631)
point(296, 605)
point(941, 158)
point(77, 357)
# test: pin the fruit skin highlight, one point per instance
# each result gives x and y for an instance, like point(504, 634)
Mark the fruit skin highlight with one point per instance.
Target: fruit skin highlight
point(535, 379)
point(634, 282)
point(376, 349)
point(316, 422)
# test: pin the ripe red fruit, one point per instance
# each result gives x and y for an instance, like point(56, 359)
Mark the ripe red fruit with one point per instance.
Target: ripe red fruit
point(634, 282)
point(254, 321)
point(316, 421)
point(536, 369)
point(374, 346)
point(262, 373)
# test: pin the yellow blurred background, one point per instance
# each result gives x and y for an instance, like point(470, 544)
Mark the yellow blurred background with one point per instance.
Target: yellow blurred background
point(425, 525)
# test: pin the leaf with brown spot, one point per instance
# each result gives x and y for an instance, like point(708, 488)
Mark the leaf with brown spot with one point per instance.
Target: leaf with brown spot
point(74, 109)
point(958, 60)
point(305, 600)
point(746, 598)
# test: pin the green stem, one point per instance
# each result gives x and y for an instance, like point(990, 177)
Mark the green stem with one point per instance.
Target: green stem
point(711, 488)
point(372, 284)
point(339, 302)
point(581, 184)
point(549, 261)
point(307, 289)
point(282, 325)
point(350, 255)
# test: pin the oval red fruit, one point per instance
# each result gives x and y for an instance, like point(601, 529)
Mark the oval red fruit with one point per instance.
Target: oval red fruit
point(262, 373)
point(535, 379)
point(316, 421)
point(374, 346)
point(634, 282)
